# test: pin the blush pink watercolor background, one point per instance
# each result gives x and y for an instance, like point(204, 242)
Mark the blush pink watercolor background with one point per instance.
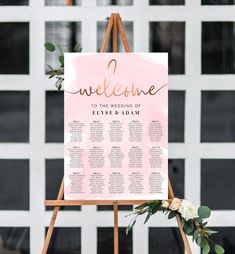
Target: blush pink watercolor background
point(84, 70)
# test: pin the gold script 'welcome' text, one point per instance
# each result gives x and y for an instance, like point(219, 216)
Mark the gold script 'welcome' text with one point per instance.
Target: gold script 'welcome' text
point(108, 90)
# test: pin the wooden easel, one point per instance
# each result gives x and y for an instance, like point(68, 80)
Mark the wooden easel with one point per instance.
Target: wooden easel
point(115, 25)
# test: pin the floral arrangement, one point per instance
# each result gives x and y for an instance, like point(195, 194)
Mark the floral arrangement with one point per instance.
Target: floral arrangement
point(192, 220)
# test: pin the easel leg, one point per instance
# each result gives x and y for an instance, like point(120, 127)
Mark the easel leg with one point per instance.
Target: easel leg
point(115, 210)
point(107, 34)
point(53, 219)
point(115, 34)
point(183, 235)
point(122, 32)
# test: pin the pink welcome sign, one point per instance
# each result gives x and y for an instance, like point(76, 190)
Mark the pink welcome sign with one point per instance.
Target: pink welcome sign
point(116, 126)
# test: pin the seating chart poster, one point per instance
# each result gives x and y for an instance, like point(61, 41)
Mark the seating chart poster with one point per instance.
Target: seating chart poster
point(116, 126)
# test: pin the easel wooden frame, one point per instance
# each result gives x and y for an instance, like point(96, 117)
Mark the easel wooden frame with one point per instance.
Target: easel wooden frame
point(116, 26)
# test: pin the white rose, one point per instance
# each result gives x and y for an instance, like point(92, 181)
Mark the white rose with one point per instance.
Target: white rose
point(165, 204)
point(175, 204)
point(187, 210)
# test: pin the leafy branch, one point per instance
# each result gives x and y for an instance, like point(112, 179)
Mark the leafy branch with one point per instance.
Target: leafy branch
point(192, 221)
point(58, 73)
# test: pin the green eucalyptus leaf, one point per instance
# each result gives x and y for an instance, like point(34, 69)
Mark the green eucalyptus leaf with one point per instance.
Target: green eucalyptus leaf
point(50, 67)
point(204, 212)
point(185, 226)
point(127, 229)
point(61, 59)
point(130, 226)
point(59, 87)
point(203, 241)
point(219, 249)
point(140, 212)
point(191, 233)
point(140, 207)
point(155, 209)
point(151, 204)
point(49, 46)
point(52, 74)
point(210, 232)
point(163, 209)
point(150, 209)
point(195, 234)
point(147, 217)
point(133, 223)
point(77, 48)
point(171, 215)
point(198, 241)
point(166, 212)
point(198, 219)
point(189, 229)
point(206, 249)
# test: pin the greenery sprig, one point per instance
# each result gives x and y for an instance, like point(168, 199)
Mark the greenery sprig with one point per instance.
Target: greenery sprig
point(58, 73)
point(192, 220)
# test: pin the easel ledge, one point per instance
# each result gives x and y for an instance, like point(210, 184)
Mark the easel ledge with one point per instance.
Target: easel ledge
point(96, 202)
